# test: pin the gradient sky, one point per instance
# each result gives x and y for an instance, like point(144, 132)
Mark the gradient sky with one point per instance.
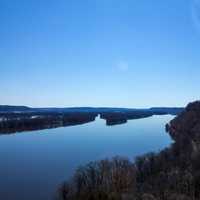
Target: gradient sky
point(119, 53)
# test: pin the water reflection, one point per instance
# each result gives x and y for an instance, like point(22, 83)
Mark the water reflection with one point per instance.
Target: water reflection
point(34, 164)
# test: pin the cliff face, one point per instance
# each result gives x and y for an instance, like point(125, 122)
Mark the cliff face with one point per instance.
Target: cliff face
point(185, 128)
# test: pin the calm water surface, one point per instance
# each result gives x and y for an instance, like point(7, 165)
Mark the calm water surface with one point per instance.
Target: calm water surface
point(33, 164)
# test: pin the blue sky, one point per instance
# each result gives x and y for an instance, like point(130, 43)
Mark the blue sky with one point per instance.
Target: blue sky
point(119, 53)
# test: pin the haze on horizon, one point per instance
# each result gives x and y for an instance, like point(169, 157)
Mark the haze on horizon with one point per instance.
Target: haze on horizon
point(100, 53)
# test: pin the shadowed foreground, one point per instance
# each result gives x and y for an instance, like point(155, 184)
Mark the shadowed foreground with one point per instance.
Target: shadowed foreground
point(172, 174)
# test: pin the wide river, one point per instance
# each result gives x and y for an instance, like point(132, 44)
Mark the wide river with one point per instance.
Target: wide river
point(34, 164)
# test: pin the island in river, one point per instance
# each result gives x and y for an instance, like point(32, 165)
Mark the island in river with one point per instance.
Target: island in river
point(21, 118)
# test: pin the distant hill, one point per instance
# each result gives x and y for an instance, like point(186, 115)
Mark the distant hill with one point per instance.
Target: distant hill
point(7, 108)
point(167, 110)
point(153, 110)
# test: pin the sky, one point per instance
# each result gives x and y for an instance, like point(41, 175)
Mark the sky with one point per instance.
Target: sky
point(113, 53)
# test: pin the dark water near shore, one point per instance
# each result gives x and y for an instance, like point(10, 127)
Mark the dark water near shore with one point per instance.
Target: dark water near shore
point(33, 164)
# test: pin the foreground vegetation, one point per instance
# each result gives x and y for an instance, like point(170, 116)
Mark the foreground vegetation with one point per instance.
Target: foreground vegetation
point(172, 174)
